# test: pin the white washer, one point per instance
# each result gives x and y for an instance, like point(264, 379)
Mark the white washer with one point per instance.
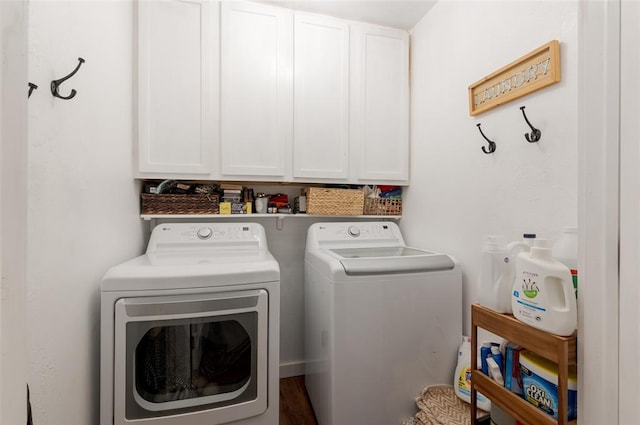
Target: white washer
point(382, 322)
point(190, 330)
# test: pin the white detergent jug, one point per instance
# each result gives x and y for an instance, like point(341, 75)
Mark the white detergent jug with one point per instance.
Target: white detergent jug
point(565, 250)
point(498, 273)
point(543, 295)
point(462, 377)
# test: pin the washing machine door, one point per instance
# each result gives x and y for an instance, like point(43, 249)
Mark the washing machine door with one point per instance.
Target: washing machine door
point(199, 356)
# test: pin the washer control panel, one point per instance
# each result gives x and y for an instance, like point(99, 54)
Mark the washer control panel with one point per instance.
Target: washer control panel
point(176, 236)
point(204, 232)
point(353, 231)
point(325, 233)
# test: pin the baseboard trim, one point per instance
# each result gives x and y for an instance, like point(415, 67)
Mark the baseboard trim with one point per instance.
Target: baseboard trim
point(287, 370)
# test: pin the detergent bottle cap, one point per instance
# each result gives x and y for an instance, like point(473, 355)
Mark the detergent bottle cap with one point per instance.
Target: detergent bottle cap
point(541, 249)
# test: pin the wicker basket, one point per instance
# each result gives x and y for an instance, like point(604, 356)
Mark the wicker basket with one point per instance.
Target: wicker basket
point(323, 201)
point(382, 206)
point(178, 204)
point(439, 405)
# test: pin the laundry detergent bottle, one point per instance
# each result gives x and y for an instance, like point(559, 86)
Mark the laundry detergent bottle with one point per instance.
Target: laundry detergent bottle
point(462, 377)
point(565, 250)
point(498, 272)
point(543, 295)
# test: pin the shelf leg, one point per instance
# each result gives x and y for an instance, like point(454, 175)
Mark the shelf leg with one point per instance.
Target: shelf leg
point(474, 366)
point(279, 222)
point(563, 387)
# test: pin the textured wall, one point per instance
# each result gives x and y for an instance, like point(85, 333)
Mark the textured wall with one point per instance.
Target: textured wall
point(13, 205)
point(82, 200)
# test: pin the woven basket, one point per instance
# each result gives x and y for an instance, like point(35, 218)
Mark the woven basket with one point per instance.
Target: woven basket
point(439, 405)
point(323, 201)
point(178, 204)
point(382, 206)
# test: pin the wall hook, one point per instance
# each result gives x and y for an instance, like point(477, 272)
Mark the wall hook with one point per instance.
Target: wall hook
point(32, 87)
point(535, 133)
point(55, 84)
point(492, 145)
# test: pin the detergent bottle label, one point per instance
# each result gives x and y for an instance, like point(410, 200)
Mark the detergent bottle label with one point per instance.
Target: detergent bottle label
point(464, 381)
point(528, 291)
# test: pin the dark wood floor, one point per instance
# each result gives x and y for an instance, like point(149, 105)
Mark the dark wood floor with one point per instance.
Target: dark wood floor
point(295, 407)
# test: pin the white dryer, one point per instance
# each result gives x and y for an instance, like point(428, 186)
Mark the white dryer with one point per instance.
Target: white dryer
point(190, 330)
point(382, 322)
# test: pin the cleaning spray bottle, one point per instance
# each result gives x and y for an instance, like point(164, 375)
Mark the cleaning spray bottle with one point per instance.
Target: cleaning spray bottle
point(543, 295)
point(498, 272)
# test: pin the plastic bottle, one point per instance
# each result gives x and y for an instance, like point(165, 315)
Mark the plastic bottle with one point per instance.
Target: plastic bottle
point(543, 295)
point(496, 355)
point(494, 371)
point(565, 250)
point(462, 377)
point(528, 238)
point(500, 417)
point(498, 273)
point(485, 351)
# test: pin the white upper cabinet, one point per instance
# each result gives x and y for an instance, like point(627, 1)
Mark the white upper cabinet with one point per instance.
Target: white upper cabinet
point(256, 90)
point(253, 92)
point(321, 98)
point(177, 90)
point(380, 104)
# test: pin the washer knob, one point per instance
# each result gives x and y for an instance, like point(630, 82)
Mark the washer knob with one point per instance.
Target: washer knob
point(353, 231)
point(204, 233)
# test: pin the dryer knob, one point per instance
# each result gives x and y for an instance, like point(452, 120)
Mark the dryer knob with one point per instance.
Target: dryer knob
point(353, 231)
point(204, 233)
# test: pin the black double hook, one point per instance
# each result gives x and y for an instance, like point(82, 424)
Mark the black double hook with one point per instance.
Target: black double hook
point(55, 84)
point(492, 145)
point(535, 133)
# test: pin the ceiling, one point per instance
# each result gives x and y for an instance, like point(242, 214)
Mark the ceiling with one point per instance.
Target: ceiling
point(391, 13)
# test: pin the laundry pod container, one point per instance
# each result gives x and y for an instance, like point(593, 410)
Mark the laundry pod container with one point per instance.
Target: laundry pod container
point(540, 384)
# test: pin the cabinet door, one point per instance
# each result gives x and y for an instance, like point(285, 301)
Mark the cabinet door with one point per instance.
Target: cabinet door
point(177, 93)
point(321, 97)
point(380, 110)
point(256, 85)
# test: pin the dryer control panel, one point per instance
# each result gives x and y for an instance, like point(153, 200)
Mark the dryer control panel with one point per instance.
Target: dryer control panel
point(179, 236)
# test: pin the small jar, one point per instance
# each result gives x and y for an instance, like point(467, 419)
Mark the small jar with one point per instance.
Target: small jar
point(261, 202)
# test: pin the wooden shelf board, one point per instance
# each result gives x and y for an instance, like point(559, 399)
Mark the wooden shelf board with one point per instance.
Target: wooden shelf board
point(510, 402)
point(545, 344)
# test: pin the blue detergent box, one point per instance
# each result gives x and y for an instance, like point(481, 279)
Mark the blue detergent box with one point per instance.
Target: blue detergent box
point(540, 384)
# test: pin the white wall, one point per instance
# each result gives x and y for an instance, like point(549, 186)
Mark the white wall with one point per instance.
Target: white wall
point(13, 205)
point(83, 201)
point(458, 194)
